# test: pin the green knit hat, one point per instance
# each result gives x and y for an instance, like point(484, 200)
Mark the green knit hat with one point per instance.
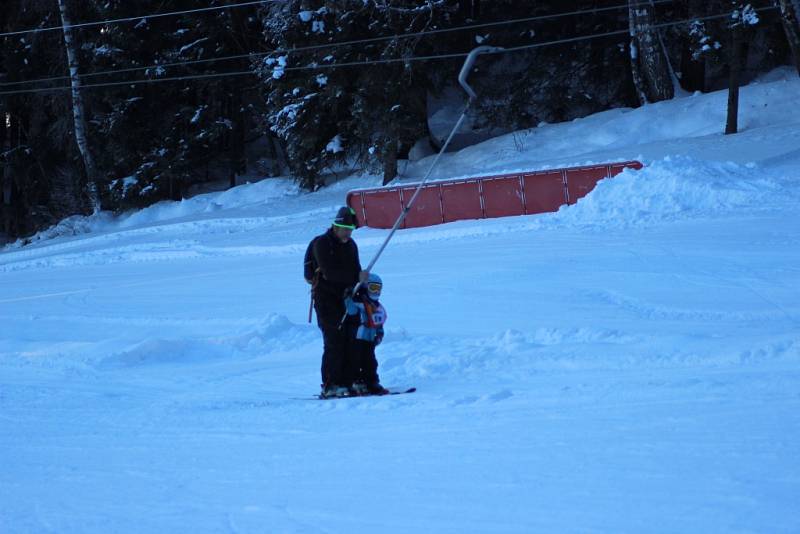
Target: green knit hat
point(346, 218)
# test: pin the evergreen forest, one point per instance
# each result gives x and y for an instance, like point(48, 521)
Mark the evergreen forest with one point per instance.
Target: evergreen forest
point(117, 104)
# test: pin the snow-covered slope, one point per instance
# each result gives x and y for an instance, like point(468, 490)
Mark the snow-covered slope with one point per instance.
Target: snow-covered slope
point(627, 364)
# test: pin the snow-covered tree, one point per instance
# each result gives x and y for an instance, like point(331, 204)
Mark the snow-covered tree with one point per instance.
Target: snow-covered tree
point(359, 104)
point(649, 62)
point(41, 169)
point(327, 110)
point(551, 83)
point(790, 18)
point(160, 137)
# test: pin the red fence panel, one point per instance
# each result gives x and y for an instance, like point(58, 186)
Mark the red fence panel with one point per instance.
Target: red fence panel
point(580, 181)
point(383, 207)
point(502, 196)
point(461, 200)
point(475, 198)
point(544, 192)
point(426, 209)
point(356, 201)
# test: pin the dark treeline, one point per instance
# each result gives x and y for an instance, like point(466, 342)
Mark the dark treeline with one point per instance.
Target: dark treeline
point(130, 113)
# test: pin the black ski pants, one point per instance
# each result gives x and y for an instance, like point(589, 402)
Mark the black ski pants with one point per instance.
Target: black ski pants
point(365, 363)
point(338, 354)
point(345, 359)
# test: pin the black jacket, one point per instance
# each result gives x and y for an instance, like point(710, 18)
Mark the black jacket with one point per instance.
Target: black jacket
point(338, 263)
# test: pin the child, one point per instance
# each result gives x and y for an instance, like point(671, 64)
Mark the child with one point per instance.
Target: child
point(371, 317)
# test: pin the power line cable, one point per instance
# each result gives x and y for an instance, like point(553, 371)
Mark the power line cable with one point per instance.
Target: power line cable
point(134, 19)
point(341, 43)
point(382, 61)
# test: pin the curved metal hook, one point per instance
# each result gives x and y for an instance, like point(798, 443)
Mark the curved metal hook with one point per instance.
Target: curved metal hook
point(469, 62)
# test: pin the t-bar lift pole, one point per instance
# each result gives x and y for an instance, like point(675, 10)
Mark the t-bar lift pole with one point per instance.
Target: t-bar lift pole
point(462, 79)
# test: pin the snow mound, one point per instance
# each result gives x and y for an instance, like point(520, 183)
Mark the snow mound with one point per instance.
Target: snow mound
point(259, 193)
point(162, 351)
point(71, 226)
point(676, 188)
point(249, 194)
point(142, 252)
point(672, 189)
point(274, 334)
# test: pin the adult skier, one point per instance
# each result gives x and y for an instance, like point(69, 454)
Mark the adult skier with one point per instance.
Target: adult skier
point(336, 269)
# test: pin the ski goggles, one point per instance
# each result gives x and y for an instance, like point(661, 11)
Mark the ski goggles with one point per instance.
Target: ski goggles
point(374, 287)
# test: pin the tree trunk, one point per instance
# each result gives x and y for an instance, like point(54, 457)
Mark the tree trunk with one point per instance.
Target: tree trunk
point(78, 106)
point(389, 161)
point(650, 69)
point(5, 123)
point(732, 124)
point(791, 25)
point(693, 71)
point(638, 81)
point(281, 161)
point(238, 135)
point(5, 173)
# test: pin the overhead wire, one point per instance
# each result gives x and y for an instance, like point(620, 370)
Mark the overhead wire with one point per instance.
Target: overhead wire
point(256, 55)
point(140, 17)
point(567, 40)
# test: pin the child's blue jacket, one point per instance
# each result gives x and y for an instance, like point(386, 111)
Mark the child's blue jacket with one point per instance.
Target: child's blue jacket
point(371, 317)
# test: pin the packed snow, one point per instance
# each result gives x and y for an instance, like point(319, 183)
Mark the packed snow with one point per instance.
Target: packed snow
point(627, 364)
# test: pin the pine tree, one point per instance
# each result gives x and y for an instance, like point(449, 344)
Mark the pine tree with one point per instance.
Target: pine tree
point(389, 108)
point(550, 83)
point(326, 113)
point(42, 170)
point(790, 19)
point(162, 137)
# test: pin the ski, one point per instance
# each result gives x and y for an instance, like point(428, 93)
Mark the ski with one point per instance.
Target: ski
point(392, 391)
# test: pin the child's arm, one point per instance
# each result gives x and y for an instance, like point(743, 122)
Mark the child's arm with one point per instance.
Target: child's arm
point(351, 306)
point(354, 307)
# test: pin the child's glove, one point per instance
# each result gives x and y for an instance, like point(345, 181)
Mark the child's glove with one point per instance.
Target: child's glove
point(350, 306)
point(378, 338)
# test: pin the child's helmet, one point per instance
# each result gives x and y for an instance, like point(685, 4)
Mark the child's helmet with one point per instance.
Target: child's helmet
point(374, 286)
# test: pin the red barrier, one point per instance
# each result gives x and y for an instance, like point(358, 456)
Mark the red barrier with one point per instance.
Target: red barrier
point(502, 196)
point(462, 200)
point(355, 199)
point(544, 192)
point(382, 207)
point(482, 197)
point(426, 209)
point(581, 181)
